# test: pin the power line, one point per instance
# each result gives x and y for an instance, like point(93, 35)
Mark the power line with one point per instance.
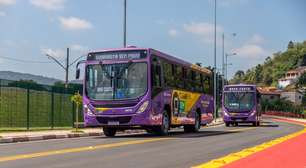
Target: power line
point(25, 61)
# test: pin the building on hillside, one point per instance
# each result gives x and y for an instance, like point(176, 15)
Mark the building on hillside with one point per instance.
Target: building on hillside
point(291, 77)
point(269, 93)
point(294, 96)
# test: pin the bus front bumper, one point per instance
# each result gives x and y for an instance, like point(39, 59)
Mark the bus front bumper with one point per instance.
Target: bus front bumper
point(142, 119)
point(240, 119)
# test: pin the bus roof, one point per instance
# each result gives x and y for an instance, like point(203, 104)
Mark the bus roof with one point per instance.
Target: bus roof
point(170, 58)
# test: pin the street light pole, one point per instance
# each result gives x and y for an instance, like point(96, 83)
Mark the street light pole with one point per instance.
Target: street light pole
point(124, 25)
point(65, 67)
point(215, 59)
point(223, 60)
point(226, 64)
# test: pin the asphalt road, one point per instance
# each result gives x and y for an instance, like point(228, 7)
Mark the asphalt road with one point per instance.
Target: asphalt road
point(141, 150)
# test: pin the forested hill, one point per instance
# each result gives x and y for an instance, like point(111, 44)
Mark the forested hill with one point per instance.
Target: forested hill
point(274, 67)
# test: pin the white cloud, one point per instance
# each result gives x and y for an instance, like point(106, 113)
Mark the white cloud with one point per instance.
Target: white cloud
point(2, 13)
point(203, 29)
point(256, 39)
point(251, 51)
point(74, 23)
point(228, 3)
point(78, 48)
point(173, 32)
point(7, 2)
point(57, 53)
point(48, 4)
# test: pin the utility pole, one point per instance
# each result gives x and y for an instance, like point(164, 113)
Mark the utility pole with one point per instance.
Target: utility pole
point(67, 69)
point(215, 60)
point(124, 25)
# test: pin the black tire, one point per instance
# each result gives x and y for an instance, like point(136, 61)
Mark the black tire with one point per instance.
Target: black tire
point(235, 124)
point(227, 124)
point(164, 128)
point(197, 125)
point(150, 131)
point(256, 123)
point(109, 131)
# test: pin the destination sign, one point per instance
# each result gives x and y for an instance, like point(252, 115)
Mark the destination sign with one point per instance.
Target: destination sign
point(117, 55)
point(239, 89)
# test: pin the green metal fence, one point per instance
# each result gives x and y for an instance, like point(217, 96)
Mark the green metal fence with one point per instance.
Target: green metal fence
point(24, 106)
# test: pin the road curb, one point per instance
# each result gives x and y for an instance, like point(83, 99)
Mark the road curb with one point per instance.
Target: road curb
point(56, 136)
point(71, 135)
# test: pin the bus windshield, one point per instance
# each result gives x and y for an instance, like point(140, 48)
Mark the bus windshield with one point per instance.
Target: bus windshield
point(116, 81)
point(239, 101)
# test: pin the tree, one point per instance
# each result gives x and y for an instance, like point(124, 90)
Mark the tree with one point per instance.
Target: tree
point(239, 74)
point(258, 73)
point(290, 45)
point(238, 77)
point(72, 87)
point(27, 84)
point(199, 64)
point(77, 99)
point(301, 81)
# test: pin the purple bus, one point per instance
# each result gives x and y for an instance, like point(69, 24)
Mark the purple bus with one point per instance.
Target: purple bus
point(240, 104)
point(142, 88)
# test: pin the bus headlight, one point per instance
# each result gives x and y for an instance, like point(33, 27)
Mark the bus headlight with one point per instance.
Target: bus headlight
point(226, 114)
point(87, 110)
point(143, 107)
point(253, 113)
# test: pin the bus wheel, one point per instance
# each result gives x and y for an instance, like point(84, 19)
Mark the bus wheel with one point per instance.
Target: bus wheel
point(150, 130)
point(109, 131)
point(256, 123)
point(227, 124)
point(164, 128)
point(197, 125)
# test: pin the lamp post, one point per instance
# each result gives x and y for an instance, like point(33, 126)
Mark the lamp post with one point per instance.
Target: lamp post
point(223, 56)
point(226, 64)
point(124, 25)
point(66, 66)
point(215, 59)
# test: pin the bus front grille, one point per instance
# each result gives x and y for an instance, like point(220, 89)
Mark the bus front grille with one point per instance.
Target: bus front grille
point(115, 105)
point(122, 120)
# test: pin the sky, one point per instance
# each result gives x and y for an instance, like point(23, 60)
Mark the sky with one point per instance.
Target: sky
point(30, 29)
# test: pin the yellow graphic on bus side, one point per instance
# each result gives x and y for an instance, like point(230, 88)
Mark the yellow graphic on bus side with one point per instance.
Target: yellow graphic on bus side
point(187, 100)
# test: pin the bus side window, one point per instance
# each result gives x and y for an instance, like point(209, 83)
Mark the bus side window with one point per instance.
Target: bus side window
point(156, 73)
point(198, 82)
point(206, 85)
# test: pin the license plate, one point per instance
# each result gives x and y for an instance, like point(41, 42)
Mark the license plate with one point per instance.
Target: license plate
point(113, 123)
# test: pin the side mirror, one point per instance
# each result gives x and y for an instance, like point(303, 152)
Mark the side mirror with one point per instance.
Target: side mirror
point(77, 74)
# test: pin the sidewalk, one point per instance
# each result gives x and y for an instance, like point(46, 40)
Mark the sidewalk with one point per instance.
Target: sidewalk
point(11, 137)
point(298, 120)
point(48, 134)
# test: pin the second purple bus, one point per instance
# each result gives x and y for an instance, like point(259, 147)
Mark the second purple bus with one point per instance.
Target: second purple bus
point(142, 88)
point(240, 104)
